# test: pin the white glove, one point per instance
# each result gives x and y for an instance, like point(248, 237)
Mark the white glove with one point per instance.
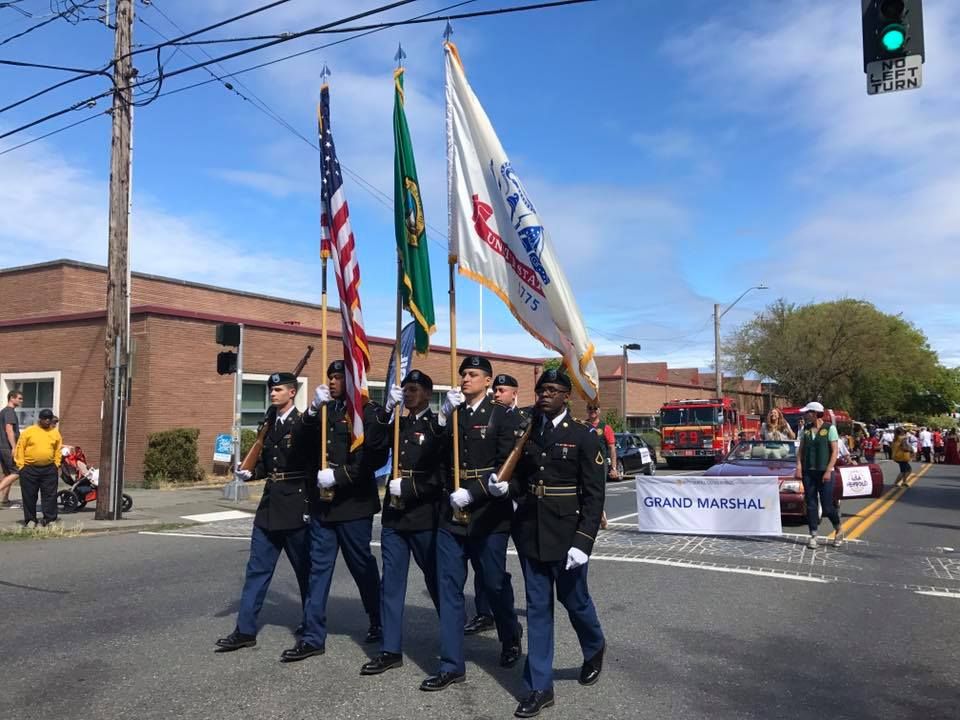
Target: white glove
point(576, 558)
point(395, 487)
point(459, 499)
point(243, 475)
point(394, 397)
point(320, 396)
point(325, 479)
point(496, 488)
point(454, 398)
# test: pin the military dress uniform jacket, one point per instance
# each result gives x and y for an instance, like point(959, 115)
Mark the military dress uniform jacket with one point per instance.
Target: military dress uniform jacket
point(355, 492)
point(424, 447)
point(487, 435)
point(559, 485)
point(288, 462)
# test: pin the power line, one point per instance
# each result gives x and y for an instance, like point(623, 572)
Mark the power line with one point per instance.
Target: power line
point(55, 132)
point(73, 9)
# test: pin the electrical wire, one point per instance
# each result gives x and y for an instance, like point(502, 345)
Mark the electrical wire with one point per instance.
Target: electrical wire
point(73, 9)
point(55, 132)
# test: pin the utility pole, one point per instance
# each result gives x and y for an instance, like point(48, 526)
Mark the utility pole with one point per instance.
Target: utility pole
point(718, 374)
point(623, 386)
point(117, 331)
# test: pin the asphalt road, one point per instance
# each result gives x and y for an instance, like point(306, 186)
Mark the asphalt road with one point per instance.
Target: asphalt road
point(123, 626)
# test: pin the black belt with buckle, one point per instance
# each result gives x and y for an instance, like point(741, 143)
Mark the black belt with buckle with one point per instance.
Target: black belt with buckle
point(476, 473)
point(281, 477)
point(411, 473)
point(553, 491)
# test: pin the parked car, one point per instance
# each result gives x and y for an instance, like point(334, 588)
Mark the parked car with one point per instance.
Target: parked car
point(779, 458)
point(634, 455)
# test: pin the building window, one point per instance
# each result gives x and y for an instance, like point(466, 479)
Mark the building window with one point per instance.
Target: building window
point(41, 391)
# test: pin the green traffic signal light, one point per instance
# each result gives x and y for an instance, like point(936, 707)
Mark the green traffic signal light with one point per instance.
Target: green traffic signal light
point(893, 38)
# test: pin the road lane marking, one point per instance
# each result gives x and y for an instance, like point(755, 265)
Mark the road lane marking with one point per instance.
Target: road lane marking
point(216, 516)
point(939, 593)
point(195, 535)
point(690, 565)
point(622, 517)
point(881, 510)
point(864, 513)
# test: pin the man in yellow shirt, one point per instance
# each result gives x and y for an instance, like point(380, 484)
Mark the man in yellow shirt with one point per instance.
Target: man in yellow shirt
point(38, 458)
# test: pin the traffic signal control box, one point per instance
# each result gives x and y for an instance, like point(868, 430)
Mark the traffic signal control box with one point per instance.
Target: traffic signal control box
point(228, 334)
point(226, 363)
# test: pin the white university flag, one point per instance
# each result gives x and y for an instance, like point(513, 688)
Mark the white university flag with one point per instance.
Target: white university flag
point(498, 237)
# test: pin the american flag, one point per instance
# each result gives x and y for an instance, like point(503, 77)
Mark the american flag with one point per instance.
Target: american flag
point(337, 242)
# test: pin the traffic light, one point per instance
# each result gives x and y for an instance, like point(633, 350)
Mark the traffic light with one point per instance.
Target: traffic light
point(892, 29)
point(228, 334)
point(226, 363)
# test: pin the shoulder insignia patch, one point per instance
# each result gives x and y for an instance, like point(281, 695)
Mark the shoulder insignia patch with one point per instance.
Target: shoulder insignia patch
point(599, 458)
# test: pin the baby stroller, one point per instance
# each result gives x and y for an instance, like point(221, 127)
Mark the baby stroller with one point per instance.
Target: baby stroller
point(83, 481)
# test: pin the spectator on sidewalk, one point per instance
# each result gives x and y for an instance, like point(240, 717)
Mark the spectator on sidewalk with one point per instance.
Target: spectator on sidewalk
point(37, 456)
point(9, 434)
point(870, 447)
point(914, 445)
point(926, 444)
point(938, 448)
point(952, 448)
point(902, 454)
point(887, 440)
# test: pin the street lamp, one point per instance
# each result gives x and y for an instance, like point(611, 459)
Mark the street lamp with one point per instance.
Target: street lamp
point(623, 393)
point(716, 334)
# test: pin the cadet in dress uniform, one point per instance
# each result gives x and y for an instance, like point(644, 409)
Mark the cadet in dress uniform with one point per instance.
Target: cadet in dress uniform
point(505, 389)
point(410, 511)
point(344, 523)
point(559, 488)
point(486, 435)
point(288, 463)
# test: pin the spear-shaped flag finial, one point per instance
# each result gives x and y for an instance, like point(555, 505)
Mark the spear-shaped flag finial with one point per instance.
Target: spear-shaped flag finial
point(400, 56)
point(447, 32)
point(325, 73)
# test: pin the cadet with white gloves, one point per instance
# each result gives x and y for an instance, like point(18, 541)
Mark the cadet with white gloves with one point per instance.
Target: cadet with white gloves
point(486, 433)
point(559, 487)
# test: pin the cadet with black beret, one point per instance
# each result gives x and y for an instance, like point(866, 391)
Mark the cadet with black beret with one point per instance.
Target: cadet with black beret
point(288, 463)
point(345, 522)
point(410, 510)
point(559, 488)
point(486, 435)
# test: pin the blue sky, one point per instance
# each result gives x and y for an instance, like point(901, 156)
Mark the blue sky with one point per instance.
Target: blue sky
point(679, 153)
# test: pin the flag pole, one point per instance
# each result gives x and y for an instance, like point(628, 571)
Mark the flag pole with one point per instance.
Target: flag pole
point(398, 409)
point(323, 300)
point(459, 516)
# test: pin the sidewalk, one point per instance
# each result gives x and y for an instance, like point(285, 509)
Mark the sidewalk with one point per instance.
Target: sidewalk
point(151, 508)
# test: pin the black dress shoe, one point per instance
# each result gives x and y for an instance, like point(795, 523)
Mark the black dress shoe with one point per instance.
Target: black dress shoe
point(374, 634)
point(534, 703)
point(235, 641)
point(512, 650)
point(441, 681)
point(301, 651)
point(590, 671)
point(479, 624)
point(381, 663)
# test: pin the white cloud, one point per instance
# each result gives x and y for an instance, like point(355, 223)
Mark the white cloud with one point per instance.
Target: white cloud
point(269, 183)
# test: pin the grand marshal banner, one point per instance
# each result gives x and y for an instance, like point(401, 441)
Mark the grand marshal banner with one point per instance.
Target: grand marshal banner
point(688, 505)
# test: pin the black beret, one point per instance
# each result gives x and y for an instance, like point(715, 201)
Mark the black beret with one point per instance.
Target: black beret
point(282, 378)
point(418, 378)
point(475, 362)
point(507, 380)
point(556, 377)
point(335, 367)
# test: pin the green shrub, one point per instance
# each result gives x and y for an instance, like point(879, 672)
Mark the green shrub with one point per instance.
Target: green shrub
point(247, 439)
point(652, 438)
point(612, 418)
point(172, 457)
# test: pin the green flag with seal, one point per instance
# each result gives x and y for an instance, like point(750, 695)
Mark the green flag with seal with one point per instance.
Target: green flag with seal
point(414, 281)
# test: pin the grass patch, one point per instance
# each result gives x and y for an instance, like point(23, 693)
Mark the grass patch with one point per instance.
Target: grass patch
point(51, 532)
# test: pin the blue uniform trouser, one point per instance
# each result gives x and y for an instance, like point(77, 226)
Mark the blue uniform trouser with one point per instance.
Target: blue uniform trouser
point(540, 578)
point(479, 596)
point(265, 548)
point(352, 537)
point(396, 547)
point(814, 489)
point(452, 554)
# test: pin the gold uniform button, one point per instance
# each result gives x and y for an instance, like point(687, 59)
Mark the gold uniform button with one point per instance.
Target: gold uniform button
point(541, 467)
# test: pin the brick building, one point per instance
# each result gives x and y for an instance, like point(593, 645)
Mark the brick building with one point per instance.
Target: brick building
point(51, 347)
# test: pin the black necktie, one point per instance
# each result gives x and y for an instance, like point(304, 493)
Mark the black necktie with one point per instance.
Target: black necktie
point(547, 432)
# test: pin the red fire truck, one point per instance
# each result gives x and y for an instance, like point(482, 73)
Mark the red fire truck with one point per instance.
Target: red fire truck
point(699, 431)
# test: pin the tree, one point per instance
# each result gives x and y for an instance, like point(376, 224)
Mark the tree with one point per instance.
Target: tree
point(846, 354)
point(553, 364)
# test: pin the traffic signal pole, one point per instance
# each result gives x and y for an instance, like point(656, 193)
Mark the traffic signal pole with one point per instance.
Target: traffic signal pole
point(236, 489)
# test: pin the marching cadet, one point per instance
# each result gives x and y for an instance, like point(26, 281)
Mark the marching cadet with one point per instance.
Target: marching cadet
point(410, 511)
point(345, 521)
point(559, 489)
point(505, 390)
point(287, 462)
point(486, 436)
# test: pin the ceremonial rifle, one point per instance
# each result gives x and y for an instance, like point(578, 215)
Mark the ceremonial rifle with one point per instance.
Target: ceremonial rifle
point(250, 461)
point(505, 473)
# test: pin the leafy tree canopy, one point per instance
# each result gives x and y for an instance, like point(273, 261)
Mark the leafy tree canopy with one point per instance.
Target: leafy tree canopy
point(846, 354)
